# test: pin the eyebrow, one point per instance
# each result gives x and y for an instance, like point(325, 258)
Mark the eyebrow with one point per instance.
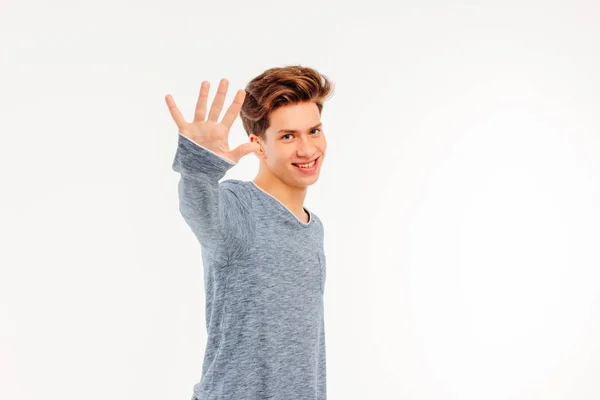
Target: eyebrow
point(296, 131)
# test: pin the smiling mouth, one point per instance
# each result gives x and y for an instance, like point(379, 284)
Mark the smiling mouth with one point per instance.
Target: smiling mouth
point(307, 165)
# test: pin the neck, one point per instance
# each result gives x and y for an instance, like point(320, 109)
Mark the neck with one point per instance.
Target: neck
point(291, 196)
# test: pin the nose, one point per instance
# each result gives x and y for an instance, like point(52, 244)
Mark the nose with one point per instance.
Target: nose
point(306, 148)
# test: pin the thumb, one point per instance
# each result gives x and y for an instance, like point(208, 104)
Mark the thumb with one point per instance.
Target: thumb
point(245, 149)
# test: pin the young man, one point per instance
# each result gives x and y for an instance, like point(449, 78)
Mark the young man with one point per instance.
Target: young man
point(262, 250)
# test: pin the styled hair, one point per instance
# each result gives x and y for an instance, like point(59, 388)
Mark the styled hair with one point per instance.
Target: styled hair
point(281, 86)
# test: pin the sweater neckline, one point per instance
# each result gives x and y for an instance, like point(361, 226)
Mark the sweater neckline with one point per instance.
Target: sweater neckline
point(285, 208)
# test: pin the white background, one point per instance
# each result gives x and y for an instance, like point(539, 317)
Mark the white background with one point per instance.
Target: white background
point(460, 194)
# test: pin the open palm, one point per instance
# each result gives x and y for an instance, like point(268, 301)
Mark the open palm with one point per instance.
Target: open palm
point(209, 133)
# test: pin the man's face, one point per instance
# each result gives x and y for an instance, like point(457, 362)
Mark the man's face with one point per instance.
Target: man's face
point(295, 136)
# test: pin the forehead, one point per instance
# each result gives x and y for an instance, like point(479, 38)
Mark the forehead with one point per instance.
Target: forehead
point(301, 116)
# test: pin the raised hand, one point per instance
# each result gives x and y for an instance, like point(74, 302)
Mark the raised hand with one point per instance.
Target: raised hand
point(209, 133)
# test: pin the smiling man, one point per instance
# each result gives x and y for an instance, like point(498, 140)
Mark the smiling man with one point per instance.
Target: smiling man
point(262, 249)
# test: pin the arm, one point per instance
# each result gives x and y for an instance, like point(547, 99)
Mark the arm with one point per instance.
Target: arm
point(216, 215)
point(219, 219)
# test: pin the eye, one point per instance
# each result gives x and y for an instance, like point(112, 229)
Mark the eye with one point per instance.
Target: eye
point(289, 134)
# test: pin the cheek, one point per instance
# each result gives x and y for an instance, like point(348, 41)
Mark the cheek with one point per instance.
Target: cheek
point(283, 158)
point(323, 144)
point(282, 163)
point(279, 160)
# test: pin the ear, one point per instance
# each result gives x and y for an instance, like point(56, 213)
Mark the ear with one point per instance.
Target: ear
point(259, 154)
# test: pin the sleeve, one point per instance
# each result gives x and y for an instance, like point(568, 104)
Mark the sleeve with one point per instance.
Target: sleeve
point(206, 206)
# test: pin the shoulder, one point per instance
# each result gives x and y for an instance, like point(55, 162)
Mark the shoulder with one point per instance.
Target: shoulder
point(318, 220)
point(234, 185)
point(238, 188)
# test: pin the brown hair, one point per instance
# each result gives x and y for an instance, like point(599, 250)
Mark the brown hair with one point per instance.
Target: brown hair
point(277, 87)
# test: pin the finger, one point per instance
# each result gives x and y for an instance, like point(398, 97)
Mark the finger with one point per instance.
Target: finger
point(200, 112)
point(244, 149)
point(175, 113)
point(217, 105)
point(234, 108)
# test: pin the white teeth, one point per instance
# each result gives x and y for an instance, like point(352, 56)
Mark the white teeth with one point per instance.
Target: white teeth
point(306, 165)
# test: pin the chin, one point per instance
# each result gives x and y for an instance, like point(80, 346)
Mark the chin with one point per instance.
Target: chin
point(307, 181)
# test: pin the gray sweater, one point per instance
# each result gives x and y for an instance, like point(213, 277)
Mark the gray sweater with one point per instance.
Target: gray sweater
point(264, 277)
